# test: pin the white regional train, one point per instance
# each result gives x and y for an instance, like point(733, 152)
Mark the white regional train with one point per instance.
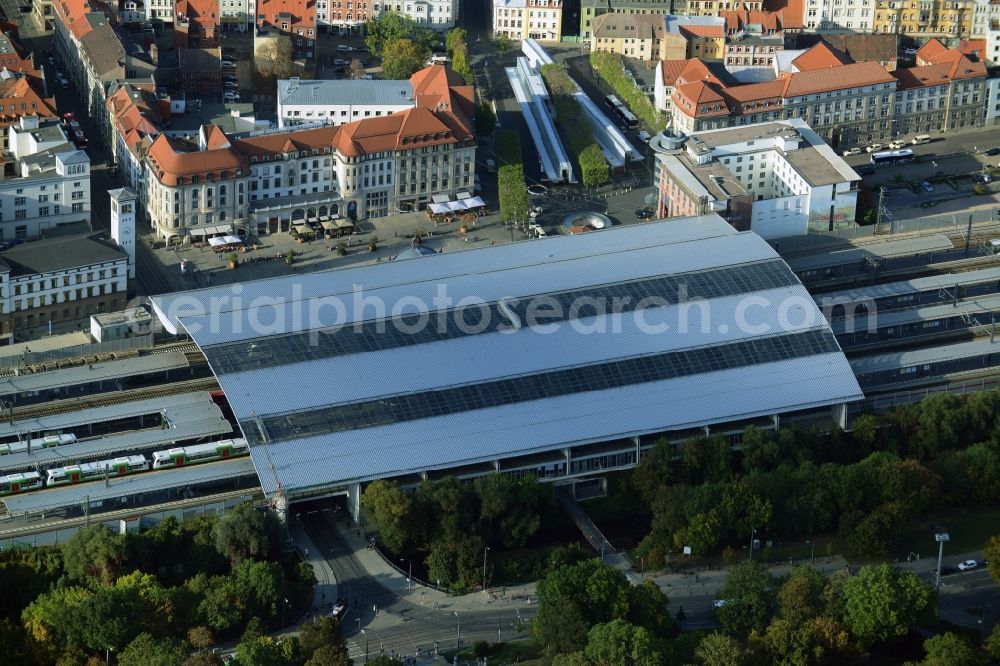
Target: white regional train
point(37, 443)
point(14, 484)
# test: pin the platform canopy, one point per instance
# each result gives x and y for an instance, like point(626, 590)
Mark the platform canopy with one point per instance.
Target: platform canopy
point(480, 355)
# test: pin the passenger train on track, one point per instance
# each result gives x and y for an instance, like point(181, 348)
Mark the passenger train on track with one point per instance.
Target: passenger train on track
point(182, 456)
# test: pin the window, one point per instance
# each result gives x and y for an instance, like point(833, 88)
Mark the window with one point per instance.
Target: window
point(78, 208)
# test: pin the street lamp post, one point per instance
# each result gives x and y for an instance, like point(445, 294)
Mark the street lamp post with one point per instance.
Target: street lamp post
point(812, 551)
point(458, 631)
point(940, 537)
point(409, 576)
point(485, 550)
point(284, 606)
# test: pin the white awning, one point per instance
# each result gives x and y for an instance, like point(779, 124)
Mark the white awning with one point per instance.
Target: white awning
point(474, 202)
point(439, 198)
point(216, 242)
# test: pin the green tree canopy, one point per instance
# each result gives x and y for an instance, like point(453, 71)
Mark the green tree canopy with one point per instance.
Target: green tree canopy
point(146, 650)
point(328, 655)
point(246, 533)
point(503, 43)
point(388, 28)
point(389, 508)
point(511, 509)
point(486, 122)
point(513, 193)
point(882, 604)
point(749, 593)
point(952, 650)
point(618, 643)
point(402, 59)
point(455, 38)
point(94, 555)
point(993, 643)
point(322, 632)
point(594, 169)
point(814, 642)
point(719, 650)
point(801, 596)
point(991, 553)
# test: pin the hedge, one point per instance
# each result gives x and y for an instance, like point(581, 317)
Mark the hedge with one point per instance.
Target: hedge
point(513, 193)
point(575, 129)
point(611, 68)
point(507, 147)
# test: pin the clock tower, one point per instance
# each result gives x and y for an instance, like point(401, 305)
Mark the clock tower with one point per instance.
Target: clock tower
point(123, 205)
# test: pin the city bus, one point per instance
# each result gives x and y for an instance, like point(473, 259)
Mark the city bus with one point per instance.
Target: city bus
point(623, 115)
point(891, 157)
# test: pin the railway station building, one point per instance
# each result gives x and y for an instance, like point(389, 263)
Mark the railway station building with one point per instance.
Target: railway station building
point(564, 358)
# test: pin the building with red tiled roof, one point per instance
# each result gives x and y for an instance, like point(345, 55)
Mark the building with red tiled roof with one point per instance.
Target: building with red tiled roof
point(197, 24)
point(295, 19)
point(136, 115)
point(366, 168)
point(821, 56)
point(945, 91)
point(880, 48)
point(19, 99)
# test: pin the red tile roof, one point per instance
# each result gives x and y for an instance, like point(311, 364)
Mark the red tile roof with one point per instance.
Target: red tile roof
point(930, 52)
point(821, 56)
point(937, 64)
point(836, 78)
point(710, 31)
point(791, 13)
point(442, 115)
point(18, 98)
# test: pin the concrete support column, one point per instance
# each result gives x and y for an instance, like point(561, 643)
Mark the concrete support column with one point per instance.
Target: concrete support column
point(354, 501)
point(638, 449)
point(777, 420)
point(708, 431)
point(839, 414)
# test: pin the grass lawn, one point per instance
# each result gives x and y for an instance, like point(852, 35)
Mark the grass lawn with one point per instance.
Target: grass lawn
point(522, 651)
point(968, 528)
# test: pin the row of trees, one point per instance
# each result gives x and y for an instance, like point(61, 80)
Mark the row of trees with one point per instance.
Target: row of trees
point(795, 483)
point(576, 131)
point(449, 523)
point(611, 68)
point(589, 615)
point(176, 586)
point(402, 45)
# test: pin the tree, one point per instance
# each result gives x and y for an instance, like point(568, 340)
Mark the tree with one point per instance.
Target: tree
point(94, 555)
point(800, 597)
point(647, 608)
point(328, 655)
point(246, 533)
point(571, 659)
point(513, 194)
point(882, 604)
point(146, 650)
point(389, 508)
point(390, 27)
point(200, 637)
point(486, 122)
point(502, 43)
point(111, 619)
point(54, 620)
point(952, 650)
point(991, 553)
point(511, 508)
point(260, 651)
point(460, 63)
point(749, 593)
point(456, 561)
point(203, 659)
point(993, 642)
point(618, 643)
point(356, 70)
point(814, 642)
point(324, 632)
point(719, 650)
point(402, 59)
point(273, 60)
point(571, 599)
point(866, 429)
point(454, 39)
point(594, 169)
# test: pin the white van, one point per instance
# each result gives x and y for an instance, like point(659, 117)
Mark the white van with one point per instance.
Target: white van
point(921, 138)
point(438, 59)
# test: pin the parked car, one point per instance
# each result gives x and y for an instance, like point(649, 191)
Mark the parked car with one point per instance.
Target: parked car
point(852, 151)
point(982, 178)
point(231, 96)
point(491, 165)
point(344, 47)
point(536, 231)
point(230, 78)
point(339, 608)
point(875, 147)
point(968, 564)
point(992, 152)
point(340, 62)
point(644, 213)
point(896, 145)
point(910, 51)
point(927, 186)
point(231, 85)
point(535, 212)
point(366, 77)
point(866, 170)
point(228, 64)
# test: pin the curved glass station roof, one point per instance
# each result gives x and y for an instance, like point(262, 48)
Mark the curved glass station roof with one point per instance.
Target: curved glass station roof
point(476, 356)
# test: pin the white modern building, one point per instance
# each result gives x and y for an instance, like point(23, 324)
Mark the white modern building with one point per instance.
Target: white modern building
point(775, 178)
point(52, 183)
point(985, 17)
point(339, 101)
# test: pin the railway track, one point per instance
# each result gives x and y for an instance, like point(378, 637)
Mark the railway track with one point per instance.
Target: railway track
point(115, 398)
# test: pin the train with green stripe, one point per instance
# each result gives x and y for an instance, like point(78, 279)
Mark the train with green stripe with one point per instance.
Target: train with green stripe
point(181, 456)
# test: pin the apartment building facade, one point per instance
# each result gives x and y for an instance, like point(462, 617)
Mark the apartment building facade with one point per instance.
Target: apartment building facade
point(637, 36)
point(523, 19)
point(925, 18)
point(58, 281)
point(777, 178)
point(295, 19)
point(367, 168)
point(197, 24)
point(839, 16)
point(985, 17)
point(51, 182)
point(590, 9)
point(435, 14)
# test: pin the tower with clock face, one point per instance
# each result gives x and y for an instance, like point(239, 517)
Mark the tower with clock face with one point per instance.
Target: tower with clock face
point(123, 205)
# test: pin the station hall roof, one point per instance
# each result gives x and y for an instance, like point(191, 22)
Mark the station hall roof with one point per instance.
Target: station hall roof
point(475, 356)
